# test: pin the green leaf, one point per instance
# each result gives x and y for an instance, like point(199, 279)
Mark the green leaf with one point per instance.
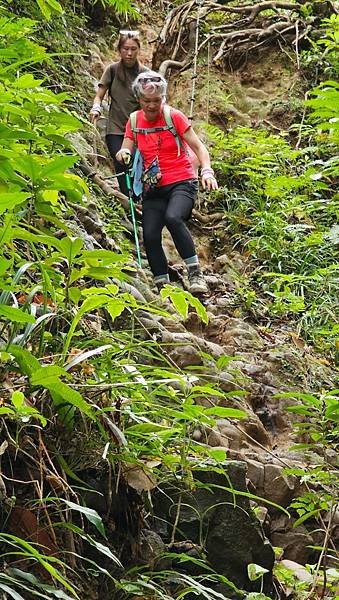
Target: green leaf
point(47, 7)
point(68, 470)
point(13, 594)
point(57, 165)
point(226, 413)
point(27, 362)
point(15, 314)
point(44, 376)
point(100, 547)
point(145, 428)
point(116, 307)
point(61, 392)
point(4, 410)
point(105, 255)
point(86, 355)
point(255, 571)
point(9, 200)
point(89, 304)
point(178, 298)
point(29, 165)
point(217, 455)
point(18, 400)
point(90, 514)
point(71, 247)
point(308, 515)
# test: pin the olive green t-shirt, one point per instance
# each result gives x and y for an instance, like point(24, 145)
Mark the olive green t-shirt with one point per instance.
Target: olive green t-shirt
point(122, 100)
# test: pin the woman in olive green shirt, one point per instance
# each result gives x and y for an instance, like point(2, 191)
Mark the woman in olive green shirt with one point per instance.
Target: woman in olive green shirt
point(117, 79)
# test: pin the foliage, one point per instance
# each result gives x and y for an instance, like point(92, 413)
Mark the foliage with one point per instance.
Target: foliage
point(282, 207)
point(318, 429)
point(83, 397)
point(321, 60)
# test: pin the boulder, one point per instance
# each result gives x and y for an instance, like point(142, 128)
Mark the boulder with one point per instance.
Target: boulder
point(279, 488)
point(214, 516)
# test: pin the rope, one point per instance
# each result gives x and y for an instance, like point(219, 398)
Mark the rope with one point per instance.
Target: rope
point(195, 59)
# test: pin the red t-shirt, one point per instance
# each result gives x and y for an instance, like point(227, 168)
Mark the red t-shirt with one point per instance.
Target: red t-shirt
point(162, 144)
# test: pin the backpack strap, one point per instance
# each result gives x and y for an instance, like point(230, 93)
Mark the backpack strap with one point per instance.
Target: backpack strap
point(133, 122)
point(169, 127)
point(167, 112)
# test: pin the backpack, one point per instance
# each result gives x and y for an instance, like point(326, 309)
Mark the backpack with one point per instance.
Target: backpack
point(167, 113)
point(138, 166)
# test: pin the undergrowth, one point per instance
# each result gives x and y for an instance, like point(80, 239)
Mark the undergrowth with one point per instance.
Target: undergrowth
point(281, 208)
point(95, 416)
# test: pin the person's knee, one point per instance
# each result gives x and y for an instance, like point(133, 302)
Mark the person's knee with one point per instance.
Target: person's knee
point(152, 238)
point(173, 221)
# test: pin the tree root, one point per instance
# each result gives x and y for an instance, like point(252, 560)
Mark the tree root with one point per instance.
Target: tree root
point(244, 27)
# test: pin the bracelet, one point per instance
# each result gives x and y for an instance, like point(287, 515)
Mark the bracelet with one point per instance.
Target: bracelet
point(96, 107)
point(207, 170)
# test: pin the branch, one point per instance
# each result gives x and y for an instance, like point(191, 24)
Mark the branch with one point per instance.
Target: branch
point(173, 64)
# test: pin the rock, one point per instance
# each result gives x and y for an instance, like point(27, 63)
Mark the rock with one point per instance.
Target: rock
point(279, 488)
point(234, 438)
point(221, 521)
point(150, 550)
point(295, 542)
point(256, 475)
point(214, 439)
point(234, 332)
point(298, 570)
point(254, 428)
point(185, 356)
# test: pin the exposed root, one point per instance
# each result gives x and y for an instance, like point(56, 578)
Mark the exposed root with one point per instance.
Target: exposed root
point(244, 27)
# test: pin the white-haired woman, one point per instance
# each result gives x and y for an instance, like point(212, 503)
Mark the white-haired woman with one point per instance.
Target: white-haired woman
point(170, 191)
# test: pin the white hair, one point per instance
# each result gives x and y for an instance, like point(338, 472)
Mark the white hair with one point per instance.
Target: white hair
point(149, 81)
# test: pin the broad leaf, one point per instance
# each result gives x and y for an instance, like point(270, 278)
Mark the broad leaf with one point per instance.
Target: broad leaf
point(15, 314)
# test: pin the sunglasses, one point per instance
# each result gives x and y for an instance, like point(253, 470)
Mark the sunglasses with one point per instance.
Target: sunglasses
point(150, 79)
point(131, 32)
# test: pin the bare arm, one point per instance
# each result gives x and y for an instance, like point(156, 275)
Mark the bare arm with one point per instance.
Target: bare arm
point(207, 175)
point(96, 108)
point(125, 153)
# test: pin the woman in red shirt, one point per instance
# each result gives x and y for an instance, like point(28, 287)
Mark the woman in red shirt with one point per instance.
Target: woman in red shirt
point(169, 201)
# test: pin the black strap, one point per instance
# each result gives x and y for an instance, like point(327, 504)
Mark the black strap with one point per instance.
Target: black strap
point(112, 76)
point(151, 129)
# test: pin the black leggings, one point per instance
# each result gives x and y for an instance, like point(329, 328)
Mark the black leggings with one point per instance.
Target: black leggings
point(114, 143)
point(168, 206)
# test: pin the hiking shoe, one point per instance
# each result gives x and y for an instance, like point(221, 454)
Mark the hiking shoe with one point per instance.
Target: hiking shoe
point(197, 283)
point(160, 285)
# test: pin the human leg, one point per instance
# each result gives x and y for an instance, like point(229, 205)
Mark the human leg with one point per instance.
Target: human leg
point(181, 197)
point(153, 221)
point(179, 208)
point(114, 143)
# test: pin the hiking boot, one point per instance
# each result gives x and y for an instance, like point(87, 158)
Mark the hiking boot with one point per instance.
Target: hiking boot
point(160, 285)
point(197, 283)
